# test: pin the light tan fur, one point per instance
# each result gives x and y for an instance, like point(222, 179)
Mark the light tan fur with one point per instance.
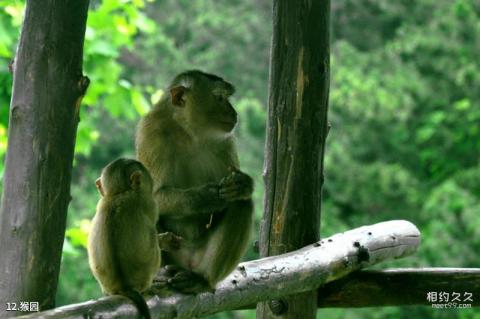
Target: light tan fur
point(136, 241)
point(123, 250)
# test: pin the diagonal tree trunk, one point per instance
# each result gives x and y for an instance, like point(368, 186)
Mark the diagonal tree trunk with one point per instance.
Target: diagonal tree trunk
point(47, 91)
point(296, 132)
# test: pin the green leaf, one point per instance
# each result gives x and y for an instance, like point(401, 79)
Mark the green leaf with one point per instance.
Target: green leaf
point(139, 102)
point(78, 236)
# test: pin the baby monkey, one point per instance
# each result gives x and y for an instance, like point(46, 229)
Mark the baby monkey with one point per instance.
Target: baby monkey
point(123, 245)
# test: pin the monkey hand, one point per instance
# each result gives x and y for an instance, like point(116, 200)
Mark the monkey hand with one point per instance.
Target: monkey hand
point(168, 241)
point(206, 198)
point(188, 282)
point(181, 280)
point(236, 186)
point(165, 274)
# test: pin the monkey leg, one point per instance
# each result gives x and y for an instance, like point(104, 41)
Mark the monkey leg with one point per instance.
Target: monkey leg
point(222, 251)
point(227, 243)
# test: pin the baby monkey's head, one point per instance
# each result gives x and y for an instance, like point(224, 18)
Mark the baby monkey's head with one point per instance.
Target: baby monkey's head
point(123, 175)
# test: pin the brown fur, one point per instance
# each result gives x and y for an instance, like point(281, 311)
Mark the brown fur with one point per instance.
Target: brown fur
point(187, 144)
point(123, 249)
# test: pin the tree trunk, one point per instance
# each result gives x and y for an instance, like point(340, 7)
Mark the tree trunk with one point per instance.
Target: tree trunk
point(296, 132)
point(47, 90)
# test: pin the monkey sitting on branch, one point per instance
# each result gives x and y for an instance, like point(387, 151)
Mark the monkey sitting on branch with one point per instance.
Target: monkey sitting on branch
point(123, 245)
point(186, 142)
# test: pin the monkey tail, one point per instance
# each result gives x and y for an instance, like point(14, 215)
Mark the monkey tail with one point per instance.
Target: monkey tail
point(140, 302)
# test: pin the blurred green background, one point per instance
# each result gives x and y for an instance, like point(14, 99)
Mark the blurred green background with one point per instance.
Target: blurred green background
point(404, 109)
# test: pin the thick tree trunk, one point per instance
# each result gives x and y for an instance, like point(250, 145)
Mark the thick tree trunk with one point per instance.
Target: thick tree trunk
point(47, 90)
point(296, 132)
point(272, 277)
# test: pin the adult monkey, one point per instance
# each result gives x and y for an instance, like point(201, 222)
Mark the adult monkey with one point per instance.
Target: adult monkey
point(186, 142)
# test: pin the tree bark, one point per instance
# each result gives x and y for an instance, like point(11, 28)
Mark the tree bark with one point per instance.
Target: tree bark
point(47, 90)
point(400, 287)
point(268, 278)
point(296, 132)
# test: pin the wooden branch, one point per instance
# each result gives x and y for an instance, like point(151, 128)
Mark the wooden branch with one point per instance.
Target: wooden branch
point(269, 278)
point(44, 112)
point(397, 287)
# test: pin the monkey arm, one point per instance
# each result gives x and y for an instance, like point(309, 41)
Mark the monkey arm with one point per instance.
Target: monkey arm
point(204, 199)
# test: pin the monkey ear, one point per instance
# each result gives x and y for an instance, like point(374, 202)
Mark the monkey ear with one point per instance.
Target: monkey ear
point(176, 94)
point(136, 179)
point(98, 184)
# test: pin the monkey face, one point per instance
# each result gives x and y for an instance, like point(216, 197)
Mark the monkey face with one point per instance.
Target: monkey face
point(212, 109)
point(207, 113)
point(224, 115)
point(201, 100)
